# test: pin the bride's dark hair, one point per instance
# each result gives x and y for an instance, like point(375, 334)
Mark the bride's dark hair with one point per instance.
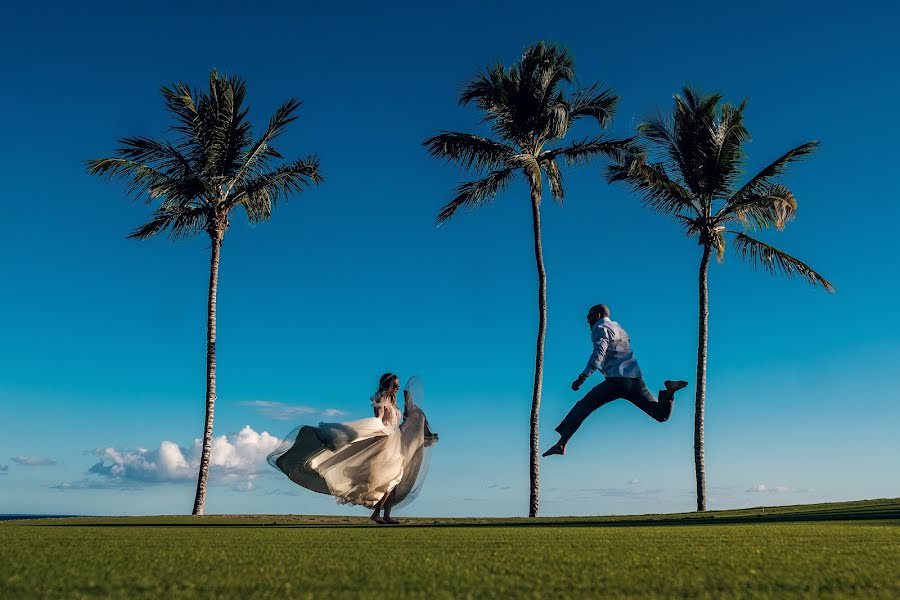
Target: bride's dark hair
point(384, 384)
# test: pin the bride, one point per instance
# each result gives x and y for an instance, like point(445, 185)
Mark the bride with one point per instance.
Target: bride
point(377, 462)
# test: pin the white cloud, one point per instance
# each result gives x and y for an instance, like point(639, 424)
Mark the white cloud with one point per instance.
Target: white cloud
point(288, 412)
point(763, 488)
point(235, 459)
point(33, 461)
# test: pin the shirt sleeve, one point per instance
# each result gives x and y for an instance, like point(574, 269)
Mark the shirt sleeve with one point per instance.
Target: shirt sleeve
point(600, 338)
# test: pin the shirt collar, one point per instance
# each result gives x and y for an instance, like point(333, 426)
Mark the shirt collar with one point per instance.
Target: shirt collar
point(603, 320)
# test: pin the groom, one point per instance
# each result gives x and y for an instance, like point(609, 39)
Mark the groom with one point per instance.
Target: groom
point(612, 355)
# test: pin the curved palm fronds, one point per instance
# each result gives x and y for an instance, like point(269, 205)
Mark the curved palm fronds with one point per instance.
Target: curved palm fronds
point(469, 150)
point(139, 179)
point(256, 158)
point(594, 101)
point(583, 152)
point(773, 206)
point(476, 193)
point(181, 221)
point(214, 163)
point(763, 179)
point(728, 137)
point(554, 178)
point(771, 259)
point(259, 195)
point(658, 190)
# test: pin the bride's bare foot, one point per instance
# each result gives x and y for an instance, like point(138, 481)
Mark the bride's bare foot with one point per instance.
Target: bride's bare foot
point(557, 448)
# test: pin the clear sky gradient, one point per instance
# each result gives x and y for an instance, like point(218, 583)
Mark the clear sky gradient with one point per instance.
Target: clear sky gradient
point(102, 338)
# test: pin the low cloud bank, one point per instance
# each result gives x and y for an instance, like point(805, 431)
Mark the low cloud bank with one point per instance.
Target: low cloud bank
point(33, 461)
point(775, 489)
point(289, 412)
point(235, 460)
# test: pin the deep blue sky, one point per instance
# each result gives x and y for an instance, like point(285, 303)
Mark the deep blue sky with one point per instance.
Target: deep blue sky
point(102, 338)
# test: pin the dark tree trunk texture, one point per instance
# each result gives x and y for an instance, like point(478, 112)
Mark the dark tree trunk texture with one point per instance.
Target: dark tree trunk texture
point(700, 406)
point(539, 352)
point(216, 236)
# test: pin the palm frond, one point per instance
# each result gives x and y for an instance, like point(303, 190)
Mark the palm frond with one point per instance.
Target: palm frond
point(255, 158)
point(139, 179)
point(260, 194)
point(762, 180)
point(719, 244)
point(180, 220)
point(693, 225)
point(584, 151)
point(486, 89)
point(476, 193)
point(728, 138)
point(772, 206)
point(594, 101)
point(469, 150)
point(224, 125)
point(693, 136)
point(554, 177)
point(179, 100)
point(151, 167)
point(653, 183)
point(771, 259)
point(557, 120)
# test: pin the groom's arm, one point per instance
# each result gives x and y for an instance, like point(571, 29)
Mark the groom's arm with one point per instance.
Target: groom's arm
point(600, 339)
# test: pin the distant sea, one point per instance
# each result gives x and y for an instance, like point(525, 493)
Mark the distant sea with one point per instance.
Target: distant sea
point(18, 517)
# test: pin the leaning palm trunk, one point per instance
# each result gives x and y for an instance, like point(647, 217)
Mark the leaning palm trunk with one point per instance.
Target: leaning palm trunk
point(539, 353)
point(700, 407)
point(200, 498)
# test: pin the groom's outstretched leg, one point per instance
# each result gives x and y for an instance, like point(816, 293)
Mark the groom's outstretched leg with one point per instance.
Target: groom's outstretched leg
point(607, 391)
point(667, 396)
point(638, 394)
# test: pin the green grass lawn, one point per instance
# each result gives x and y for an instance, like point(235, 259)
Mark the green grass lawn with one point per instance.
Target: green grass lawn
point(829, 550)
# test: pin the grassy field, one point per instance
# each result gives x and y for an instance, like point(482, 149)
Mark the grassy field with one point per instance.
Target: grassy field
point(829, 550)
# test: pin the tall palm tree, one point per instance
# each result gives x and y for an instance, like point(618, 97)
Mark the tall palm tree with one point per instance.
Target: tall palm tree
point(211, 166)
point(529, 113)
point(690, 170)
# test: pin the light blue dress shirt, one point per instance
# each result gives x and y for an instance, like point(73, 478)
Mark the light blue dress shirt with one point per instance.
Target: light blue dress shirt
point(612, 353)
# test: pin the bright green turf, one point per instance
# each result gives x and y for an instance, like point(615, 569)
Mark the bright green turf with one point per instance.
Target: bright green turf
point(850, 549)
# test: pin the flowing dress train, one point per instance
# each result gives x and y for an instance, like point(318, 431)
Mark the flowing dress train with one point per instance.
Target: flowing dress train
point(359, 462)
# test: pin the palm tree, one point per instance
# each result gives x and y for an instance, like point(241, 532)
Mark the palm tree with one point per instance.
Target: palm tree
point(211, 166)
point(698, 158)
point(529, 113)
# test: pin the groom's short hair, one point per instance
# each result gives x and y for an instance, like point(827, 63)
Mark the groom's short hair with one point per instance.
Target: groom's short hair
point(601, 310)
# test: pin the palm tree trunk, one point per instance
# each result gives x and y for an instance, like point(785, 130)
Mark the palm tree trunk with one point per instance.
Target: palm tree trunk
point(216, 236)
point(539, 351)
point(700, 407)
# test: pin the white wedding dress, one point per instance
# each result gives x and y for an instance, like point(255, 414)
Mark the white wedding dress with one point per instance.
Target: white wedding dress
point(359, 462)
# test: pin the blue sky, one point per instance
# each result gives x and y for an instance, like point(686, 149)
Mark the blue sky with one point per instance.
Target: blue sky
point(102, 338)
